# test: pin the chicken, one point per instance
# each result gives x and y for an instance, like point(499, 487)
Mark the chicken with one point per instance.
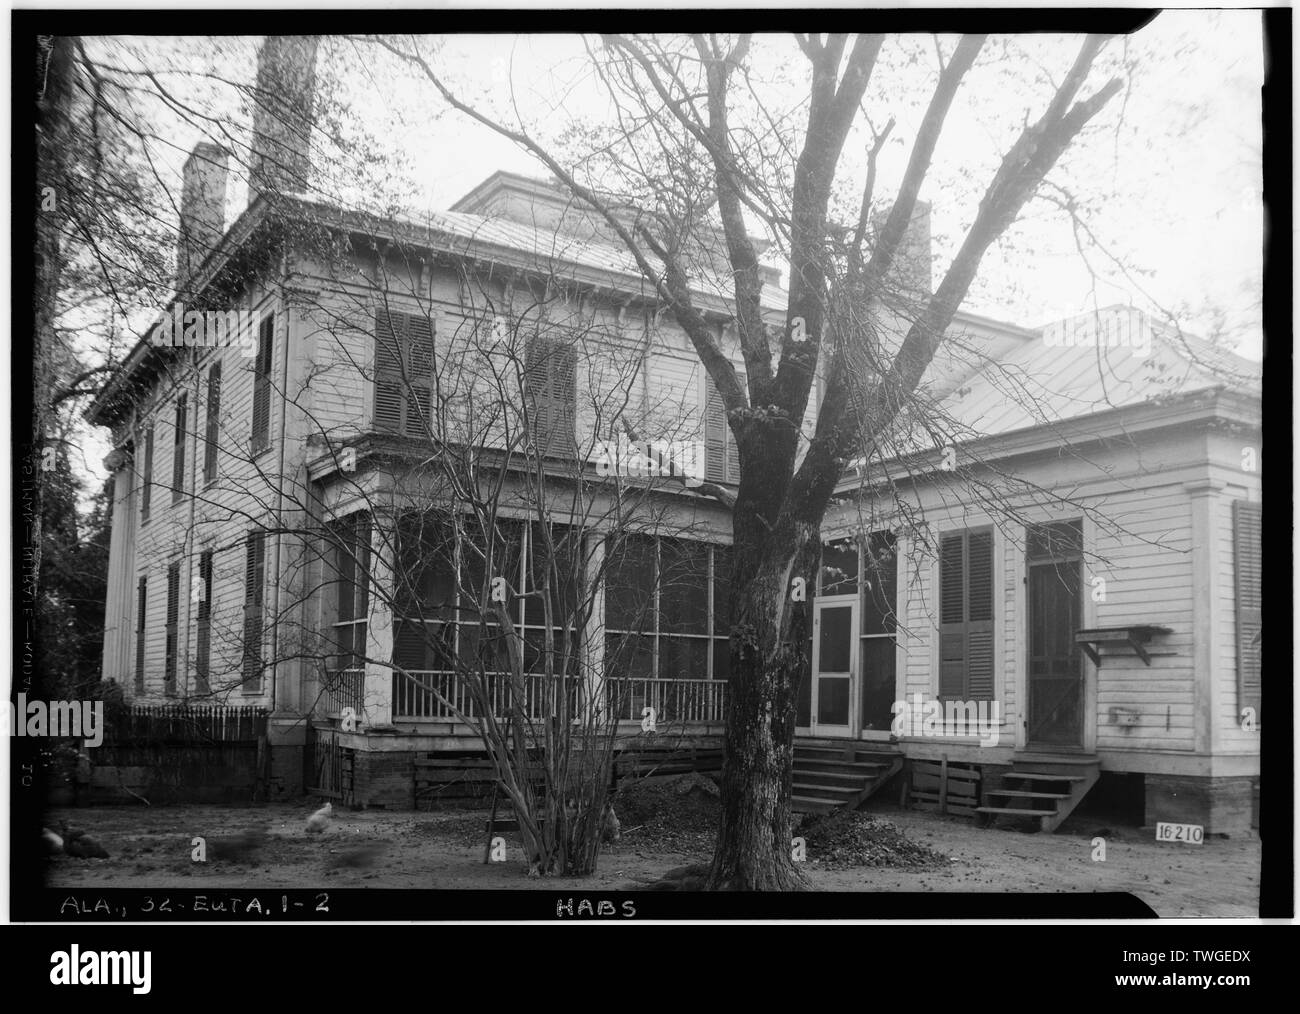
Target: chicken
point(611, 833)
point(319, 820)
point(52, 842)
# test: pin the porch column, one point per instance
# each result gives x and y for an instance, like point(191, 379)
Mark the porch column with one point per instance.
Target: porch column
point(377, 696)
point(593, 635)
point(120, 603)
point(1207, 723)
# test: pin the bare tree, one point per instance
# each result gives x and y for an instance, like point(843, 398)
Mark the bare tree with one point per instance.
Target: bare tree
point(694, 99)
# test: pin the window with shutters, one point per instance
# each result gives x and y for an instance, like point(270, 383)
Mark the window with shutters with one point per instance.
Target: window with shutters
point(404, 373)
point(146, 476)
point(203, 631)
point(254, 595)
point(966, 590)
point(551, 387)
point(1247, 539)
point(173, 613)
point(141, 606)
point(352, 588)
point(178, 448)
point(260, 439)
point(720, 460)
point(213, 422)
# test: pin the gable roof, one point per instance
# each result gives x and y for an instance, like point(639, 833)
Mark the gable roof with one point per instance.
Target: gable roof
point(1044, 381)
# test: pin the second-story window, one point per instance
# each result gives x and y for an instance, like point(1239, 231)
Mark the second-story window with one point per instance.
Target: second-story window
point(213, 422)
point(551, 386)
point(403, 373)
point(261, 435)
point(178, 449)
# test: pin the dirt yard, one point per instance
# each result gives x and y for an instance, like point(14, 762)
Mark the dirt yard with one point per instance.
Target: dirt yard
point(153, 847)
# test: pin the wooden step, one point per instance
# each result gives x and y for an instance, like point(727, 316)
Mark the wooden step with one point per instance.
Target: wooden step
point(1028, 795)
point(811, 804)
point(831, 777)
point(807, 790)
point(865, 767)
point(1038, 776)
point(1016, 810)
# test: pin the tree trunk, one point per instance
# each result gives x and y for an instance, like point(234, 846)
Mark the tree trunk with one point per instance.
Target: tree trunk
point(53, 98)
point(769, 632)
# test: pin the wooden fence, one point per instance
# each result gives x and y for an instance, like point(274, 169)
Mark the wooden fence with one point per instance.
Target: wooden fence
point(148, 724)
point(177, 753)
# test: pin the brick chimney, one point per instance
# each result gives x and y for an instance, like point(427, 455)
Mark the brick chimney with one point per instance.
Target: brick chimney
point(203, 207)
point(282, 115)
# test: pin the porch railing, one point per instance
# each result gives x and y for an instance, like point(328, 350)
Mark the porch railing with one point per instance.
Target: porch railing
point(343, 688)
point(695, 701)
point(414, 696)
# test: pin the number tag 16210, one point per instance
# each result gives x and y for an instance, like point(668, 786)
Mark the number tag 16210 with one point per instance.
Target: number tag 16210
point(1193, 834)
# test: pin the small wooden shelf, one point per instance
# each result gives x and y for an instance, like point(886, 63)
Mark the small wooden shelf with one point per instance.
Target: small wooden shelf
point(1136, 636)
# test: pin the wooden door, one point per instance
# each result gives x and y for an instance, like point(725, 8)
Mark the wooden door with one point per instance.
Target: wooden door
point(1056, 690)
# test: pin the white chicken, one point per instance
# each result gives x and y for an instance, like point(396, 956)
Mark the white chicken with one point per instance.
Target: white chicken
point(319, 820)
point(53, 843)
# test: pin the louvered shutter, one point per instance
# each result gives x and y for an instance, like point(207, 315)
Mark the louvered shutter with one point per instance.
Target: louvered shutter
point(564, 402)
point(173, 612)
point(146, 494)
point(141, 604)
point(966, 589)
point(213, 422)
point(404, 349)
point(254, 579)
point(419, 335)
point(178, 448)
point(203, 647)
point(388, 372)
point(952, 617)
point(1247, 535)
point(537, 388)
point(720, 460)
point(551, 386)
point(979, 621)
point(261, 436)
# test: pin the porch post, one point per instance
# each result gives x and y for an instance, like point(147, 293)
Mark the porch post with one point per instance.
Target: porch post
point(377, 696)
point(593, 636)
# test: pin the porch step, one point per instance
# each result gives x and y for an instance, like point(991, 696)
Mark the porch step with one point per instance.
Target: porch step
point(1018, 811)
point(810, 804)
point(1060, 782)
point(865, 767)
point(832, 776)
point(1029, 795)
point(1038, 776)
point(807, 790)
